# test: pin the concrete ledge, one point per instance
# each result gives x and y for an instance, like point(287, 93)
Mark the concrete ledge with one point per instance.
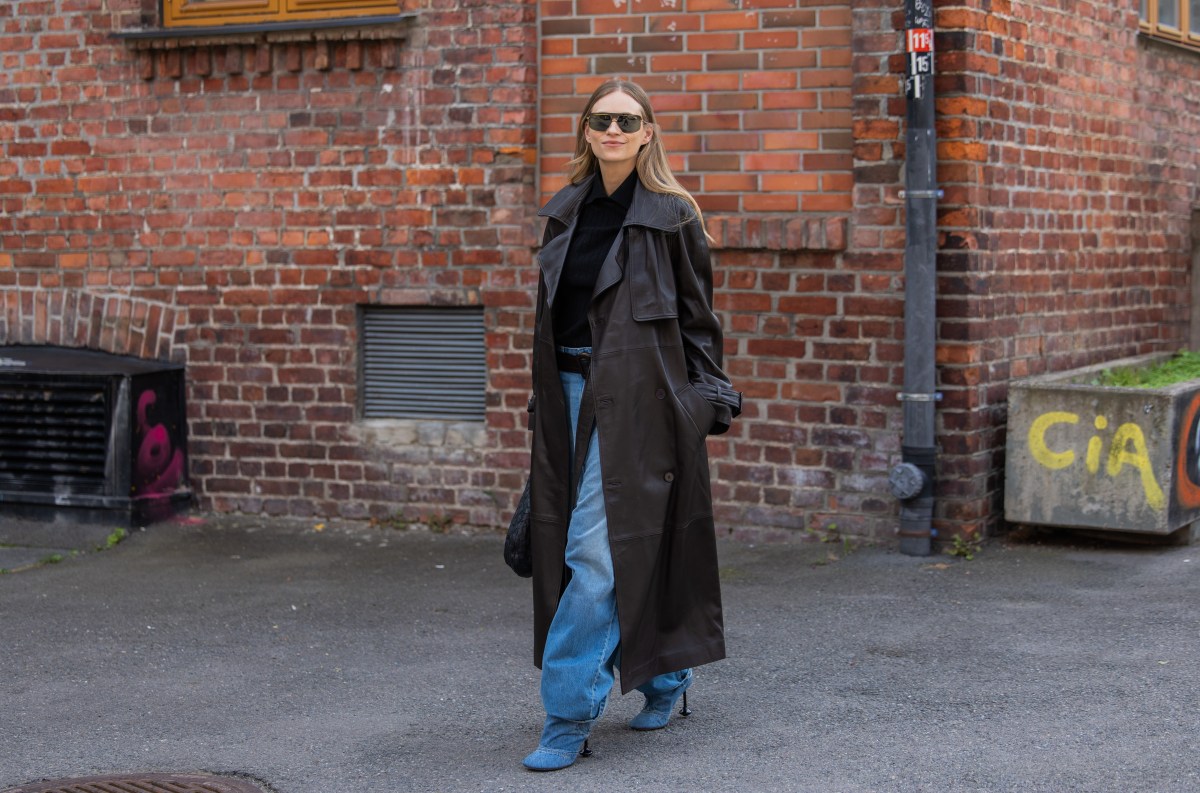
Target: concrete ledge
point(778, 233)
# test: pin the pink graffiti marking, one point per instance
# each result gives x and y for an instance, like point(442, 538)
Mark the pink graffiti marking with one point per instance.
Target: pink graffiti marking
point(158, 465)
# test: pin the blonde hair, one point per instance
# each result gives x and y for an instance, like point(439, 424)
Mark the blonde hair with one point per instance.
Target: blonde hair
point(652, 167)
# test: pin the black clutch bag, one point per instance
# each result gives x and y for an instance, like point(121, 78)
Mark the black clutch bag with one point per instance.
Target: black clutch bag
point(518, 551)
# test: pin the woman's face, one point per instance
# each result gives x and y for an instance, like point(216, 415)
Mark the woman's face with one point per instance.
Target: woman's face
point(614, 147)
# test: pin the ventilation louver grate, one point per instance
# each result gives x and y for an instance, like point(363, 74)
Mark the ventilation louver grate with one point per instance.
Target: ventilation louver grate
point(423, 363)
point(54, 434)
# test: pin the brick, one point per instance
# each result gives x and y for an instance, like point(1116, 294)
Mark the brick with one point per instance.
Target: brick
point(659, 43)
point(788, 100)
point(676, 63)
point(585, 8)
point(771, 120)
point(706, 122)
point(567, 27)
point(794, 182)
point(876, 129)
point(765, 202)
point(714, 162)
point(674, 23)
point(731, 141)
point(630, 64)
point(731, 182)
point(558, 47)
point(798, 18)
point(712, 82)
point(768, 80)
point(655, 6)
point(565, 66)
point(778, 348)
point(747, 20)
point(795, 59)
point(605, 45)
point(771, 40)
point(739, 101)
point(740, 61)
point(711, 42)
point(790, 140)
point(622, 25)
point(772, 162)
point(826, 203)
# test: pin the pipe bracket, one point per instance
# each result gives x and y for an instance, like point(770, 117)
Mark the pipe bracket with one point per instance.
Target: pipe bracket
point(907, 397)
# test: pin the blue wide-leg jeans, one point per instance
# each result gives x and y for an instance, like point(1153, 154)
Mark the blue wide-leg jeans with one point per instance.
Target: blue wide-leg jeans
point(583, 642)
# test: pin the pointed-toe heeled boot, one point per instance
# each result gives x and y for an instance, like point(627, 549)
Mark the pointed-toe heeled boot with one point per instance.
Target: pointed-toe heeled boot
point(657, 710)
point(561, 743)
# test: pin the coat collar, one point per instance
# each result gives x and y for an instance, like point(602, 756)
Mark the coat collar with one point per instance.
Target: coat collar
point(623, 195)
point(653, 210)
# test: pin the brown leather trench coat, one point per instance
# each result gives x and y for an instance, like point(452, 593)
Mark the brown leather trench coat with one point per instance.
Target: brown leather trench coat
point(659, 391)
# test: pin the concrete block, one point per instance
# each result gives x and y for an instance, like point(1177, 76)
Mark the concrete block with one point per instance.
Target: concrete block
point(1085, 456)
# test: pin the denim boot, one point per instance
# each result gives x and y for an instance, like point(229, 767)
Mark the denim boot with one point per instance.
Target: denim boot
point(661, 693)
point(559, 745)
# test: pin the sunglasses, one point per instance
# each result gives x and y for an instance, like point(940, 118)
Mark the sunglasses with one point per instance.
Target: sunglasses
point(625, 122)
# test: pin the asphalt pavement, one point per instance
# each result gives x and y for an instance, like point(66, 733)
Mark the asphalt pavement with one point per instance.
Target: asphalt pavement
point(348, 659)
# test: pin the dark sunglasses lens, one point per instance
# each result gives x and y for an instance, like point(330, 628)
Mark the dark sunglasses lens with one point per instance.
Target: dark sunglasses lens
point(602, 121)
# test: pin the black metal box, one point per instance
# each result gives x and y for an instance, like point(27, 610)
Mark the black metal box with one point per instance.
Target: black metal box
point(90, 436)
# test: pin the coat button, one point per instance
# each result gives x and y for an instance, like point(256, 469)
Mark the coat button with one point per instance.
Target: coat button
point(670, 477)
point(660, 394)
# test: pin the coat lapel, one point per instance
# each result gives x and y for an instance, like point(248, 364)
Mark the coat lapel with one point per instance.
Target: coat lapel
point(551, 259)
point(651, 210)
point(613, 267)
point(563, 208)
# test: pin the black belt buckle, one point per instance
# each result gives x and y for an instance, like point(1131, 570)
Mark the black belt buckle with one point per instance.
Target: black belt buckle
point(579, 364)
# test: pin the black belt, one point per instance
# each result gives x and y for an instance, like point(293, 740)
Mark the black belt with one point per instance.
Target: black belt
point(579, 364)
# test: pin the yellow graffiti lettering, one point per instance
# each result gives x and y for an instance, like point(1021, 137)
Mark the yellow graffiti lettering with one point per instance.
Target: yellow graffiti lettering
point(1094, 446)
point(1037, 439)
point(1139, 458)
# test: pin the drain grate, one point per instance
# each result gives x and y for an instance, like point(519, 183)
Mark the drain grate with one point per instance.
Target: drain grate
point(145, 783)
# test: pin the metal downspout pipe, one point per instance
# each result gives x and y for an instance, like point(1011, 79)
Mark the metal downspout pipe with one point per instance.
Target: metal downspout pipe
point(912, 480)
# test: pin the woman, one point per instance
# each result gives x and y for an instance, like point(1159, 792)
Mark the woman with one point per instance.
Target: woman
point(627, 384)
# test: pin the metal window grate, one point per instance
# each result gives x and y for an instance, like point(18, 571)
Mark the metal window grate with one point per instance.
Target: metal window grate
point(423, 363)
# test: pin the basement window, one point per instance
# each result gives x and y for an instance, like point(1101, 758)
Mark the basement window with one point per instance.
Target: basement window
point(422, 363)
point(1177, 21)
point(185, 13)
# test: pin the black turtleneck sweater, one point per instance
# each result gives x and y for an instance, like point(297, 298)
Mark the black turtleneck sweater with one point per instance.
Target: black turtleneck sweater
point(599, 222)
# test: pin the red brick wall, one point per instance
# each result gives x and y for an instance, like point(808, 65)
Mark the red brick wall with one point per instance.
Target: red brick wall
point(753, 97)
point(756, 106)
point(231, 205)
point(1070, 155)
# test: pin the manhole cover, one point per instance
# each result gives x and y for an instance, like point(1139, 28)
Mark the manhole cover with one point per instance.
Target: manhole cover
point(144, 783)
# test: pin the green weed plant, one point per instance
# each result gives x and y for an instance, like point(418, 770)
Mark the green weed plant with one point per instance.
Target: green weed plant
point(1181, 367)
